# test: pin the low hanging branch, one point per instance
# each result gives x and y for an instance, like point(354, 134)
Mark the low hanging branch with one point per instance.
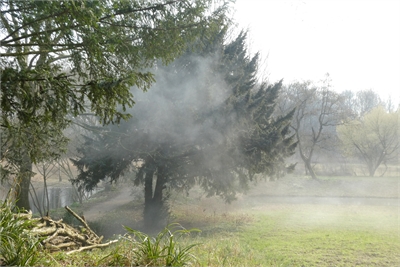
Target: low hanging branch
point(58, 235)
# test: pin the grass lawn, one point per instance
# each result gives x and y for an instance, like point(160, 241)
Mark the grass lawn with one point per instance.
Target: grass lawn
point(255, 232)
point(279, 235)
point(304, 235)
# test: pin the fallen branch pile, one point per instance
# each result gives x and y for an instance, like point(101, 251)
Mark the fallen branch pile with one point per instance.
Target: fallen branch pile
point(61, 236)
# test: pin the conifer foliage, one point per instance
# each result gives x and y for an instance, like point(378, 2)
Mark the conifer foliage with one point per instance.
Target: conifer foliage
point(60, 59)
point(206, 121)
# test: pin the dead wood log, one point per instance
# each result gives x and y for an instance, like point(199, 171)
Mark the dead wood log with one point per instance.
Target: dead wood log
point(59, 239)
point(51, 247)
point(82, 221)
point(66, 245)
point(44, 231)
point(78, 237)
point(51, 237)
point(58, 235)
point(91, 247)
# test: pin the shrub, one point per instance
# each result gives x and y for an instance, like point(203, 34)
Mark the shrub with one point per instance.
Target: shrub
point(18, 245)
point(161, 250)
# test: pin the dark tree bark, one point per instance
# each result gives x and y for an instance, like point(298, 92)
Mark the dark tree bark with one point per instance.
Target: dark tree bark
point(154, 208)
point(148, 188)
point(22, 194)
point(306, 158)
point(309, 168)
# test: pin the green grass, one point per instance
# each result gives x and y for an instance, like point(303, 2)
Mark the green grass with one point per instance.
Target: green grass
point(274, 235)
point(290, 235)
point(254, 233)
point(133, 249)
point(18, 247)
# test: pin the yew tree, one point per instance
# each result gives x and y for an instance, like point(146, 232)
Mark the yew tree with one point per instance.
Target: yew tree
point(206, 121)
point(60, 59)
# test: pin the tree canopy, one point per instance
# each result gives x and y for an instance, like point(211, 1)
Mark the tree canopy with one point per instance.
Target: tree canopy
point(205, 121)
point(61, 56)
point(374, 138)
point(60, 59)
point(361, 102)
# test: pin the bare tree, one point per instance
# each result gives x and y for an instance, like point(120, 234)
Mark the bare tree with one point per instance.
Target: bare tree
point(65, 164)
point(318, 111)
point(366, 100)
point(46, 170)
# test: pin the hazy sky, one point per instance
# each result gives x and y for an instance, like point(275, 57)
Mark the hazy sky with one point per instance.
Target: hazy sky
point(356, 42)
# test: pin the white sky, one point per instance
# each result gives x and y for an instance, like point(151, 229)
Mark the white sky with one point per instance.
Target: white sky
point(356, 41)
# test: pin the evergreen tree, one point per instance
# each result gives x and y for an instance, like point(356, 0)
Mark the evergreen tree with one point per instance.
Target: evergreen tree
point(60, 59)
point(205, 121)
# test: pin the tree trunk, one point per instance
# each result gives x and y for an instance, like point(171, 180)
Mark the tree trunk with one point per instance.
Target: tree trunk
point(307, 164)
point(372, 169)
point(310, 169)
point(24, 181)
point(154, 210)
point(148, 197)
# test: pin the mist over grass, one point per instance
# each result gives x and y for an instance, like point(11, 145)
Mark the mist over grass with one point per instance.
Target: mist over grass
point(256, 232)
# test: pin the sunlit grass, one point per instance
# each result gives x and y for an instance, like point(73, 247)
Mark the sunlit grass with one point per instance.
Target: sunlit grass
point(254, 232)
point(305, 235)
point(276, 235)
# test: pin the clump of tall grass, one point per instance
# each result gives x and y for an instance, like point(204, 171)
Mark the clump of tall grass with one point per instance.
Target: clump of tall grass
point(18, 246)
point(161, 250)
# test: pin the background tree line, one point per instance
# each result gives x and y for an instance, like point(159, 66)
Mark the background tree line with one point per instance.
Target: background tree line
point(332, 128)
